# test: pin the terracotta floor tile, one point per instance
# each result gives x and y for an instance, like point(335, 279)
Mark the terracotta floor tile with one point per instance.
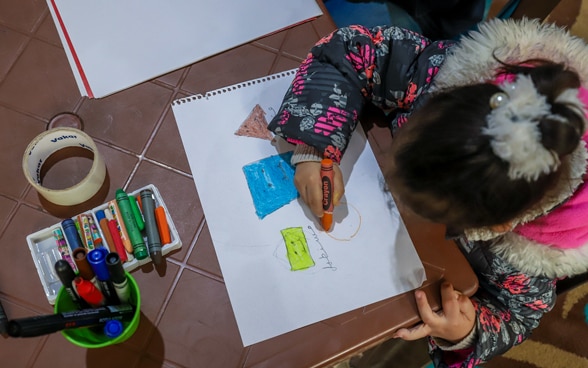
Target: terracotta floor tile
point(203, 255)
point(19, 352)
point(22, 282)
point(13, 43)
point(7, 206)
point(299, 40)
point(172, 79)
point(22, 15)
point(44, 93)
point(48, 32)
point(127, 118)
point(231, 67)
point(163, 146)
point(23, 128)
point(208, 338)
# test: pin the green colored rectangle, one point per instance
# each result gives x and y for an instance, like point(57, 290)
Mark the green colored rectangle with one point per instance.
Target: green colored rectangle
point(297, 248)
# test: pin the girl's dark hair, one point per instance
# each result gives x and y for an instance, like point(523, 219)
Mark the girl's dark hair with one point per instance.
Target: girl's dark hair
point(442, 164)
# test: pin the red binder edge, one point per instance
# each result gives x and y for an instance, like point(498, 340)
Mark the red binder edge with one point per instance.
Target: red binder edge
point(73, 51)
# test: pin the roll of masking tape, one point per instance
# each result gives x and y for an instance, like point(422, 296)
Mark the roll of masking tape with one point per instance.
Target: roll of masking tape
point(52, 141)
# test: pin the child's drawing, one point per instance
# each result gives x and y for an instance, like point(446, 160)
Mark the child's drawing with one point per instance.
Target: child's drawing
point(271, 183)
point(297, 248)
point(255, 125)
point(277, 261)
point(347, 222)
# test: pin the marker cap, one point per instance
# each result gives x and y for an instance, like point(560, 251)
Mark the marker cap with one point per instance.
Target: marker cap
point(115, 268)
point(99, 215)
point(113, 328)
point(97, 260)
point(89, 292)
point(71, 234)
point(64, 272)
point(81, 260)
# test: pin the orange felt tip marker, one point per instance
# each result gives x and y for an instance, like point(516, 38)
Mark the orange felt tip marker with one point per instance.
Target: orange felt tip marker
point(327, 184)
point(162, 225)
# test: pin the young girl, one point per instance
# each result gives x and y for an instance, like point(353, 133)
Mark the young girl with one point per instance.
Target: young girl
point(492, 145)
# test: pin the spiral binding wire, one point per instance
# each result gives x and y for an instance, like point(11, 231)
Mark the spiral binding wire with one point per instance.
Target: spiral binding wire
point(234, 87)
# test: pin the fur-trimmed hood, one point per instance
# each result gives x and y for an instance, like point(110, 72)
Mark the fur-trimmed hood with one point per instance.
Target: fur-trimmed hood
point(475, 60)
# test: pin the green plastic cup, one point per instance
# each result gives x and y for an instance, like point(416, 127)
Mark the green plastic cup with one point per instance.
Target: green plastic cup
point(92, 337)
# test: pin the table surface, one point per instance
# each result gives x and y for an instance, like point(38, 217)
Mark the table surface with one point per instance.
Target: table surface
point(186, 316)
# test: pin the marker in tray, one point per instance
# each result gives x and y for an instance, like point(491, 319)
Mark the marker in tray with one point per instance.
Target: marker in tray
point(63, 248)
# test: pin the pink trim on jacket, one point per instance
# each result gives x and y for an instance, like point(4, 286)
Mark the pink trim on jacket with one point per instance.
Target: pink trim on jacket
point(566, 226)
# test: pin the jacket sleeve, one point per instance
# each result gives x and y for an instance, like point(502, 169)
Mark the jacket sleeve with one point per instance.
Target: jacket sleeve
point(388, 66)
point(509, 305)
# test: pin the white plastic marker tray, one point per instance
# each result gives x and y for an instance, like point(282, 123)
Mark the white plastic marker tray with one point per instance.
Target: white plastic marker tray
point(45, 253)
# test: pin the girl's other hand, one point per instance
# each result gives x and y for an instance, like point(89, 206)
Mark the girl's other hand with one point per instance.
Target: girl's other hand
point(307, 180)
point(453, 323)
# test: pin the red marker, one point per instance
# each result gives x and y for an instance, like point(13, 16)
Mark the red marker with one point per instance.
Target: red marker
point(90, 293)
point(327, 183)
point(119, 247)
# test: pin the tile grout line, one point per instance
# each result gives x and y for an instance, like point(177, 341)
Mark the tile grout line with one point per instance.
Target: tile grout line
point(141, 156)
point(182, 266)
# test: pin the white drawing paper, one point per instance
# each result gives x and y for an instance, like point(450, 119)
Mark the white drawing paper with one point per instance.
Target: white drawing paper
point(115, 44)
point(366, 258)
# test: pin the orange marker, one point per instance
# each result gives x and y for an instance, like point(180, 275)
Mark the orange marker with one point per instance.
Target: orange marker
point(115, 212)
point(162, 225)
point(327, 183)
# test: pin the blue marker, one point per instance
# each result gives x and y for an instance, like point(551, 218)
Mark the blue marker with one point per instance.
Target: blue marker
point(97, 259)
point(71, 234)
point(113, 328)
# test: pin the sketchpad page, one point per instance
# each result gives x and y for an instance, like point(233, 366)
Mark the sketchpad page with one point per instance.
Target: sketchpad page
point(282, 271)
point(115, 44)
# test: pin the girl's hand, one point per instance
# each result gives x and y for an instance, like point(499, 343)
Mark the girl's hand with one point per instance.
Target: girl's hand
point(307, 180)
point(454, 323)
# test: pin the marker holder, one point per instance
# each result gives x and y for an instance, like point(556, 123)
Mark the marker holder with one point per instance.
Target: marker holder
point(45, 252)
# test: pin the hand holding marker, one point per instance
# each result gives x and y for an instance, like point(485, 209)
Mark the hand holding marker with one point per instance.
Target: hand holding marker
point(327, 186)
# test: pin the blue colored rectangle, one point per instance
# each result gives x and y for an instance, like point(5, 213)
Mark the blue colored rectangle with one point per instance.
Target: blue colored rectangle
point(271, 183)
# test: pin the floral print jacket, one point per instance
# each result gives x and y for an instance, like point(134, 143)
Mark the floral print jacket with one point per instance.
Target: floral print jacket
point(393, 68)
point(509, 305)
point(388, 66)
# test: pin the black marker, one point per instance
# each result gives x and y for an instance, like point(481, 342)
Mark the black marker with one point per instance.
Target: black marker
point(49, 323)
point(67, 275)
point(118, 277)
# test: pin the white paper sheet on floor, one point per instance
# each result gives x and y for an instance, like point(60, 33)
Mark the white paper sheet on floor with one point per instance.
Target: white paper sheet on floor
point(115, 44)
point(267, 297)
